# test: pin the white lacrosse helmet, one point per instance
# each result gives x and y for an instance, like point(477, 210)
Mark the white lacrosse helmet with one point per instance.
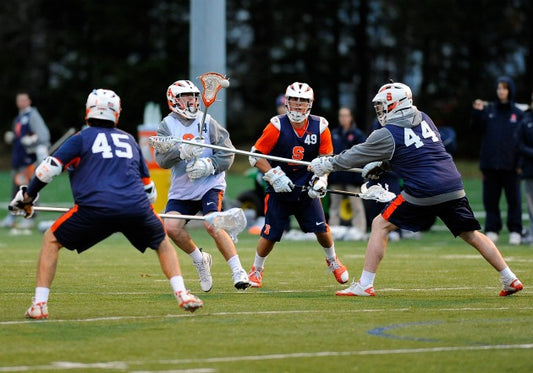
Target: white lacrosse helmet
point(299, 99)
point(103, 104)
point(391, 99)
point(184, 98)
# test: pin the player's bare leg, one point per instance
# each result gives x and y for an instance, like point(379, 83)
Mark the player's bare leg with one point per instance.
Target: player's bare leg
point(264, 247)
point(489, 251)
point(227, 248)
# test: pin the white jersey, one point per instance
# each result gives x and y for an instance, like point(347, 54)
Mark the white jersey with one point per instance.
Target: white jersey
point(181, 187)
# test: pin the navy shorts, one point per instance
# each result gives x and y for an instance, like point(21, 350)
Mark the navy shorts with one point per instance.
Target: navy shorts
point(456, 214)
point(210, 202)
point(81, 228)
point(308, 213)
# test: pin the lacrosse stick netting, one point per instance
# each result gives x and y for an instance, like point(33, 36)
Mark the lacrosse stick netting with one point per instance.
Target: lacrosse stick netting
point(163, 144)
point(377, 193)
point(212, 84)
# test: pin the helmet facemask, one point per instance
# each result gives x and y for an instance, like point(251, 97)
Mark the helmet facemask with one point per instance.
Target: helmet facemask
point(299, 99)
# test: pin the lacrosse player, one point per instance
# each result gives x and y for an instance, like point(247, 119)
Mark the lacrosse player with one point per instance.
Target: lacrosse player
point(30, 139)
point(112, 192)
point(198, 179)
point(410, 143)
point(299, 136)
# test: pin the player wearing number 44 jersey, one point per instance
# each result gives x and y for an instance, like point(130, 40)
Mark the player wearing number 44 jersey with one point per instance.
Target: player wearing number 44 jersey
point(410, 143)
point(112, 193)
point(299, 136)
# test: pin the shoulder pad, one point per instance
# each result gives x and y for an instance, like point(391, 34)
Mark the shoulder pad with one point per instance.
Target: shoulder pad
point(275, 122)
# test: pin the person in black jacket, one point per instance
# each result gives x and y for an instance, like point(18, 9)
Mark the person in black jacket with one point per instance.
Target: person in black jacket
point(498, 124)
point(526, 151)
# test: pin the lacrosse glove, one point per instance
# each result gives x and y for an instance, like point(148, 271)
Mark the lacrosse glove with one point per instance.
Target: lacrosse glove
point(279, 181)
point(318, 186)
point(189, 151)
point(321, 166)
point(374, 170)
point(21, 205)
point(151, 192)
point(201, 167)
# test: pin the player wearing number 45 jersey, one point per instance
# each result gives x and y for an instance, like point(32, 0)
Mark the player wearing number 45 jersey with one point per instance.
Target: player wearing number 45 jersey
point(410, 143)
point(112, 193)
point(299, 136)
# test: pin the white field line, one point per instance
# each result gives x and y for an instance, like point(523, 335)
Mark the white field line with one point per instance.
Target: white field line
point(252, 313)
point(122, 365)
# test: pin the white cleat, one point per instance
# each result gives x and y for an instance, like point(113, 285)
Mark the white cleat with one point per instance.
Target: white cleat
point(37, 311)
point(356, 290)
point(241, 280)
point(204, 272)
point(188, 302)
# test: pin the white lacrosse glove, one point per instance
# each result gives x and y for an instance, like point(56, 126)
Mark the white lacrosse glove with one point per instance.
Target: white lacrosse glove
point(279, 181)
point(151, 192)
point(321, 166)
point(189, 151)
point(21, 205)
point(374, 170)
point(318, 186)
point(201, 167)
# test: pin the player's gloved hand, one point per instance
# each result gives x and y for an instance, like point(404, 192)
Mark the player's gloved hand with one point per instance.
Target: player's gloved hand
point(374, 170)
point(321, 166)
point(318, 186)
point(22, 205)
point(279, 181)
point(29, 140)
point(201, 167)
point(151, 192)
point(189, 151)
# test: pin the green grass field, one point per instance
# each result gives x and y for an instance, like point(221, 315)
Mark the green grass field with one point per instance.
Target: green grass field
point(111, 309)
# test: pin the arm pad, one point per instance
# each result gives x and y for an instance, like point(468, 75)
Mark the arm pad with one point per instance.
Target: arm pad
point(48, 169)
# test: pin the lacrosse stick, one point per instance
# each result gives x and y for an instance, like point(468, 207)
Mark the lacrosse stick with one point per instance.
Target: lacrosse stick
point(232, 221)
point(212, 83)
point(376, 192)
point(165, 143)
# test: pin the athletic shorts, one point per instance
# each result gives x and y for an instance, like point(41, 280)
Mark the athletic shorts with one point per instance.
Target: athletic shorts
point(456, 214)
point(210, 202)
point(308, 213)
point(81, 228)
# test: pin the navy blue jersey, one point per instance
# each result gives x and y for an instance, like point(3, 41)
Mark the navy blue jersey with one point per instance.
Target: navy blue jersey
point(437, 174)
point(106, 170)
point(20, 157)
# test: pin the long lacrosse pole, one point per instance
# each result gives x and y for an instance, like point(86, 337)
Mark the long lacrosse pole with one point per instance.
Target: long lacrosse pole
point(258, 155)
point(165, 216)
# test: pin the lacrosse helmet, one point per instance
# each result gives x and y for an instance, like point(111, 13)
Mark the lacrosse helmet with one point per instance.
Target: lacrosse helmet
point(391, 99)
point(184, 98)
point(103, 104)
point(299, 99)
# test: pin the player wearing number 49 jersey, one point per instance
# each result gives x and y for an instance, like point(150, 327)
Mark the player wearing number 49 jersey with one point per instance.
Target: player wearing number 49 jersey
point(410, 143)
point(299, 136)
point(112, 193)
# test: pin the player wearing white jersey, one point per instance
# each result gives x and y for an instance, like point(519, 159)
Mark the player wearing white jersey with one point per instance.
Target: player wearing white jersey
point(198, 179)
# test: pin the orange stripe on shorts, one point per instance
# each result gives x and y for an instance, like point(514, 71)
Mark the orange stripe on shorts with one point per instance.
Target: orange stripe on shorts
point(392, 207)
point(64, 217)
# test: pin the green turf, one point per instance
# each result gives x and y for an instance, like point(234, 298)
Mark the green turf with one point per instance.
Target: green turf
point(111, 309)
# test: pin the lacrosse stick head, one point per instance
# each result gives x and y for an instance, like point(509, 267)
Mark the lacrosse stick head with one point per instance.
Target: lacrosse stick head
point(377, 193)
point(162, 144)
point(232, 221)
point(212, 83)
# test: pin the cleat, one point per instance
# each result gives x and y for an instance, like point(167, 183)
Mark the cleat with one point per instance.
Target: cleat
point(37, 311)
point(514, 287)
point(240, 280)
point(255, 278)
point(356, 290)
point(188, 302)
point(339, 270)
point(204, 271)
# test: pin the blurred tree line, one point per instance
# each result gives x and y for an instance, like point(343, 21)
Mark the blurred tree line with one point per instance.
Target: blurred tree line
point(449, 51)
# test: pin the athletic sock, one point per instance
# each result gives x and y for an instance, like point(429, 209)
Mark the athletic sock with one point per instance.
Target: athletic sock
point(41, 294)
point(330, 253)
point(177, 284)
point(507, 276)
point(367, 278)
point(196, 256)
point(259, 262)
point(235, 264)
